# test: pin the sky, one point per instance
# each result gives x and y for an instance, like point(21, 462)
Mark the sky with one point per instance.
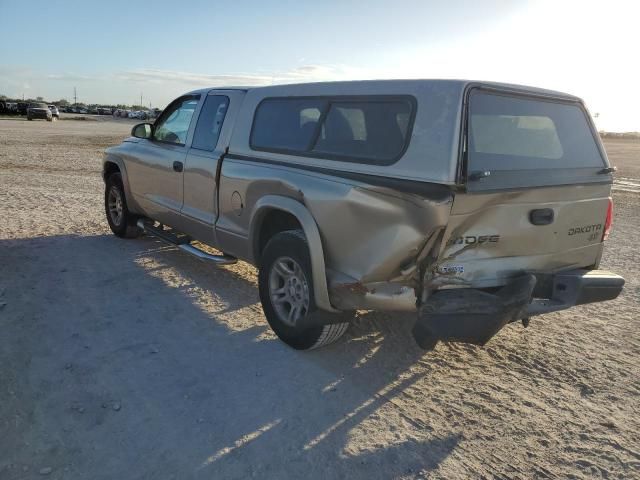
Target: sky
point(114, 51)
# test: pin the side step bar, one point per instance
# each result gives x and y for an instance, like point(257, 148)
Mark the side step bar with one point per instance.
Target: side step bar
point(183, 243)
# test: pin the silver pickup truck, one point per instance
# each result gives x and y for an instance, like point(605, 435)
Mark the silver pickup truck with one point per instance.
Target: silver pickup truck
point(472, 204)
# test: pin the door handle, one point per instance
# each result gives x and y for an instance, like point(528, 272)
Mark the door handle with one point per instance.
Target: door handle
point(541, 216)
point(177, 166)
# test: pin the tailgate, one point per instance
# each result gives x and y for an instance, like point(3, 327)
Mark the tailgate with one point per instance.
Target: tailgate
point(492, 237)
point(537, 190)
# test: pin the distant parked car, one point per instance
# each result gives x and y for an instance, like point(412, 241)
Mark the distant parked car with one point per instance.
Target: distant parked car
point(155, 112)
point(39, 110)
point(131, 114)
point(54, 111)
point(22, 108)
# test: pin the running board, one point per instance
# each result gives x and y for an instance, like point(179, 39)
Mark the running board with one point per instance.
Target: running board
point(183, 243)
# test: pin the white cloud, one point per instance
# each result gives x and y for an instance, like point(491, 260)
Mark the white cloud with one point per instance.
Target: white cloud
point(158, 85)
point(71, 77)
point(304, 73)
point(188, 78)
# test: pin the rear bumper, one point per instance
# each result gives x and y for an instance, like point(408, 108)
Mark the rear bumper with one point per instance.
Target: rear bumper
point(577, 287)
point(474, 316)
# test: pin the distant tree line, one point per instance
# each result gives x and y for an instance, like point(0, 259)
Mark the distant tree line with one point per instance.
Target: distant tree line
point(633, 135)
point(64, 103)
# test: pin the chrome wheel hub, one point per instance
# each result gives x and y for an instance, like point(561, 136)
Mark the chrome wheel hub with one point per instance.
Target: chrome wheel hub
point(115, 206)
point(289, 290)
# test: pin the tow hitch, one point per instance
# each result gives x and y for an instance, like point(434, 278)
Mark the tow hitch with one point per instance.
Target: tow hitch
point(470, 315)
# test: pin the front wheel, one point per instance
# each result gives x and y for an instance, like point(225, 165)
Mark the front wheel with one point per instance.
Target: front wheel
point(121, 221)
point(286, 292)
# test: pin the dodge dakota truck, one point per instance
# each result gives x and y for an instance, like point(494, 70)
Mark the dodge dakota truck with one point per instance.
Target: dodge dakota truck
point(472, 204)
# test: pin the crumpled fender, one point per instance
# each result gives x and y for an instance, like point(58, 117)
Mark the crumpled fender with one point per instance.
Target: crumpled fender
point(308, 223)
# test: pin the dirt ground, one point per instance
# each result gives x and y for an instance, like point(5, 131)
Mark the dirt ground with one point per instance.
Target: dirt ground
point(131, 360)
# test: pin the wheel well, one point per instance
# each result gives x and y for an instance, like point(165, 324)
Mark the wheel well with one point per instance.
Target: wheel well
point(109, 168)
point(274, 221)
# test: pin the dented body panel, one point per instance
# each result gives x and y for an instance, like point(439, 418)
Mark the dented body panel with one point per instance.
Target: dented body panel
point(372, 235)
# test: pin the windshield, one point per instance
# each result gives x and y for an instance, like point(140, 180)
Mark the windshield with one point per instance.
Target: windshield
point(39, 105)
point(507, 132)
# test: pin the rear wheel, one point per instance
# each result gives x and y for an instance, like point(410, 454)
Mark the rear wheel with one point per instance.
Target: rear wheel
point(286, 292)
point(121, 221)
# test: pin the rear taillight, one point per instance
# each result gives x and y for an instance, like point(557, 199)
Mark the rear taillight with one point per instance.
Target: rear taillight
point(608, 222)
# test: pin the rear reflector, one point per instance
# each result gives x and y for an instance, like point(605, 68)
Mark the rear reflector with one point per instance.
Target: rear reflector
point(609, 221)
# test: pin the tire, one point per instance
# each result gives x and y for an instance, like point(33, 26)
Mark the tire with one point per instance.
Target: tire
point(29, 118)
point(290, 248)
point(121, 221)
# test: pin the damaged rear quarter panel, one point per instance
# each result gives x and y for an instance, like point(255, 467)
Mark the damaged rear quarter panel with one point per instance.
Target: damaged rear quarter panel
point(369, 232)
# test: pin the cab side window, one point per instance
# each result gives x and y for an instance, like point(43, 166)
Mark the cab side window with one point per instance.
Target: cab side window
point(286, 124)
point(368, 129)
point(371, 130)
point(173, 125)
point(210, 122)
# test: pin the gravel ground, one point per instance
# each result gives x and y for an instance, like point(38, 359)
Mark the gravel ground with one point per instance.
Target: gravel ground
point(129, 359)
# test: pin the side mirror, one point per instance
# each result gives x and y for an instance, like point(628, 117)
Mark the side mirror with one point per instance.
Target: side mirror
point(142, 130)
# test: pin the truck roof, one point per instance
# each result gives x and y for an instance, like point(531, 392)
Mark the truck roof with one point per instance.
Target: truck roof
point(398, 85)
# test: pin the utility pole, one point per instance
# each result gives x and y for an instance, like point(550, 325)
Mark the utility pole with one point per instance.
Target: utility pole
point(141, 104)
point(75, 98)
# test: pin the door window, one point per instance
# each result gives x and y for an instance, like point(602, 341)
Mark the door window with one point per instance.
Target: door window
point(210, 122)
point(173, 125)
